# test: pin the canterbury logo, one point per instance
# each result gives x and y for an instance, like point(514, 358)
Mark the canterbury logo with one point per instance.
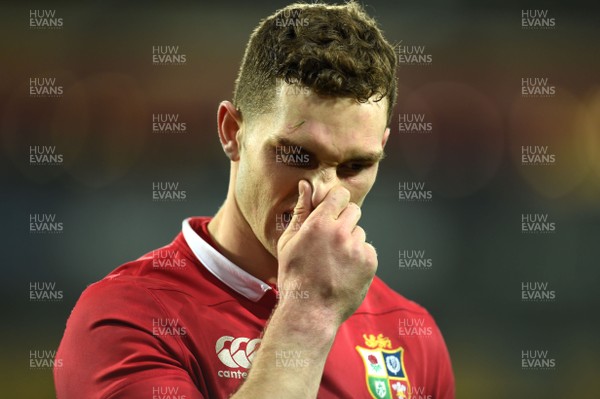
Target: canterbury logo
point(236, 352)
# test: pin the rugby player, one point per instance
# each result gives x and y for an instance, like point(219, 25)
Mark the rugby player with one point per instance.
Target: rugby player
point(276, 295)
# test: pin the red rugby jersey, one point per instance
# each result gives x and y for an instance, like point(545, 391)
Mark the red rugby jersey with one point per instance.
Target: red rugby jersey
point(183, 322)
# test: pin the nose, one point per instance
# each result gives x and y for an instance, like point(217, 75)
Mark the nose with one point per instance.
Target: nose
point(322, 180)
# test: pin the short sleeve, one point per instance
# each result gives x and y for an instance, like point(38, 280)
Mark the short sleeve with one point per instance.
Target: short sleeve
point(109, 351)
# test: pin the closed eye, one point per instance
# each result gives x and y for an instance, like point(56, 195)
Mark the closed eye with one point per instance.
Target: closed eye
point(352, 168)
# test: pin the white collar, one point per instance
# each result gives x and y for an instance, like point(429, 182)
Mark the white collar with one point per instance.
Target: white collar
point(222, 268)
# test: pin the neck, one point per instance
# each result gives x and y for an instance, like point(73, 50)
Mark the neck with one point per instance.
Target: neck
point(235, 239)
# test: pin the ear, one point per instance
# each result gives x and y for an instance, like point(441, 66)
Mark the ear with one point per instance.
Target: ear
point(386, 135)
point(229, 122)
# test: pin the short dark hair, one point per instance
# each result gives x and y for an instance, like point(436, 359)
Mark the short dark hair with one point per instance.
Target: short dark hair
point(334, 50)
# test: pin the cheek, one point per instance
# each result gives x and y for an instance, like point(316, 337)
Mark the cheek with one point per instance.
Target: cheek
point(279, 179)
point(247, 187)
point(262, 183)
point(360, 186)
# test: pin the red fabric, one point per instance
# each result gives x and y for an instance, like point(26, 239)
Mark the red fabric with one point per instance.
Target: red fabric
point(151, 332)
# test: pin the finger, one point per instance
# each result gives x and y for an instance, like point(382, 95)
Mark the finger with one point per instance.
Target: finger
point(302, 209)
point(350, 217)
point(334, 203)
point(371, 254)
point(359, 234)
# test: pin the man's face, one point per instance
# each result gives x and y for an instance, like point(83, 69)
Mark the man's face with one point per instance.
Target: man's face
point(326, 141)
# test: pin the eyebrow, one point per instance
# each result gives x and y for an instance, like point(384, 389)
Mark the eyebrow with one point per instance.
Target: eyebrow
point(368, 157)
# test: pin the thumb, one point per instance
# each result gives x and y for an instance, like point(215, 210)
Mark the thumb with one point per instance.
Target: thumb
point(301, 211)
point(303, 206)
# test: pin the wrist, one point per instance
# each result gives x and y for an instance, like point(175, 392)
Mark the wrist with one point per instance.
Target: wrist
point(302, 317)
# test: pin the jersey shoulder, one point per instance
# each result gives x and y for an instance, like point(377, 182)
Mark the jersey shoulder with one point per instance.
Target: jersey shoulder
point(120, 298)
point(382, 299)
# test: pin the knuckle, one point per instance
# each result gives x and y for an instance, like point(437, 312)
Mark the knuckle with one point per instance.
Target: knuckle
point(299, 208)
point(339, 236)
point(359, 235)
point(342, 193)
point(316, 223)
point(354, 208)
point(371, 254)
point(346, 194)
point(357, 252)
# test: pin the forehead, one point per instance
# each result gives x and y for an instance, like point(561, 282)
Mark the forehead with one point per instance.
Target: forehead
point(336, 123)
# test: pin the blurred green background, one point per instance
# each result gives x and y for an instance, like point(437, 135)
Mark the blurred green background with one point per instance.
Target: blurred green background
point(471, 92)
